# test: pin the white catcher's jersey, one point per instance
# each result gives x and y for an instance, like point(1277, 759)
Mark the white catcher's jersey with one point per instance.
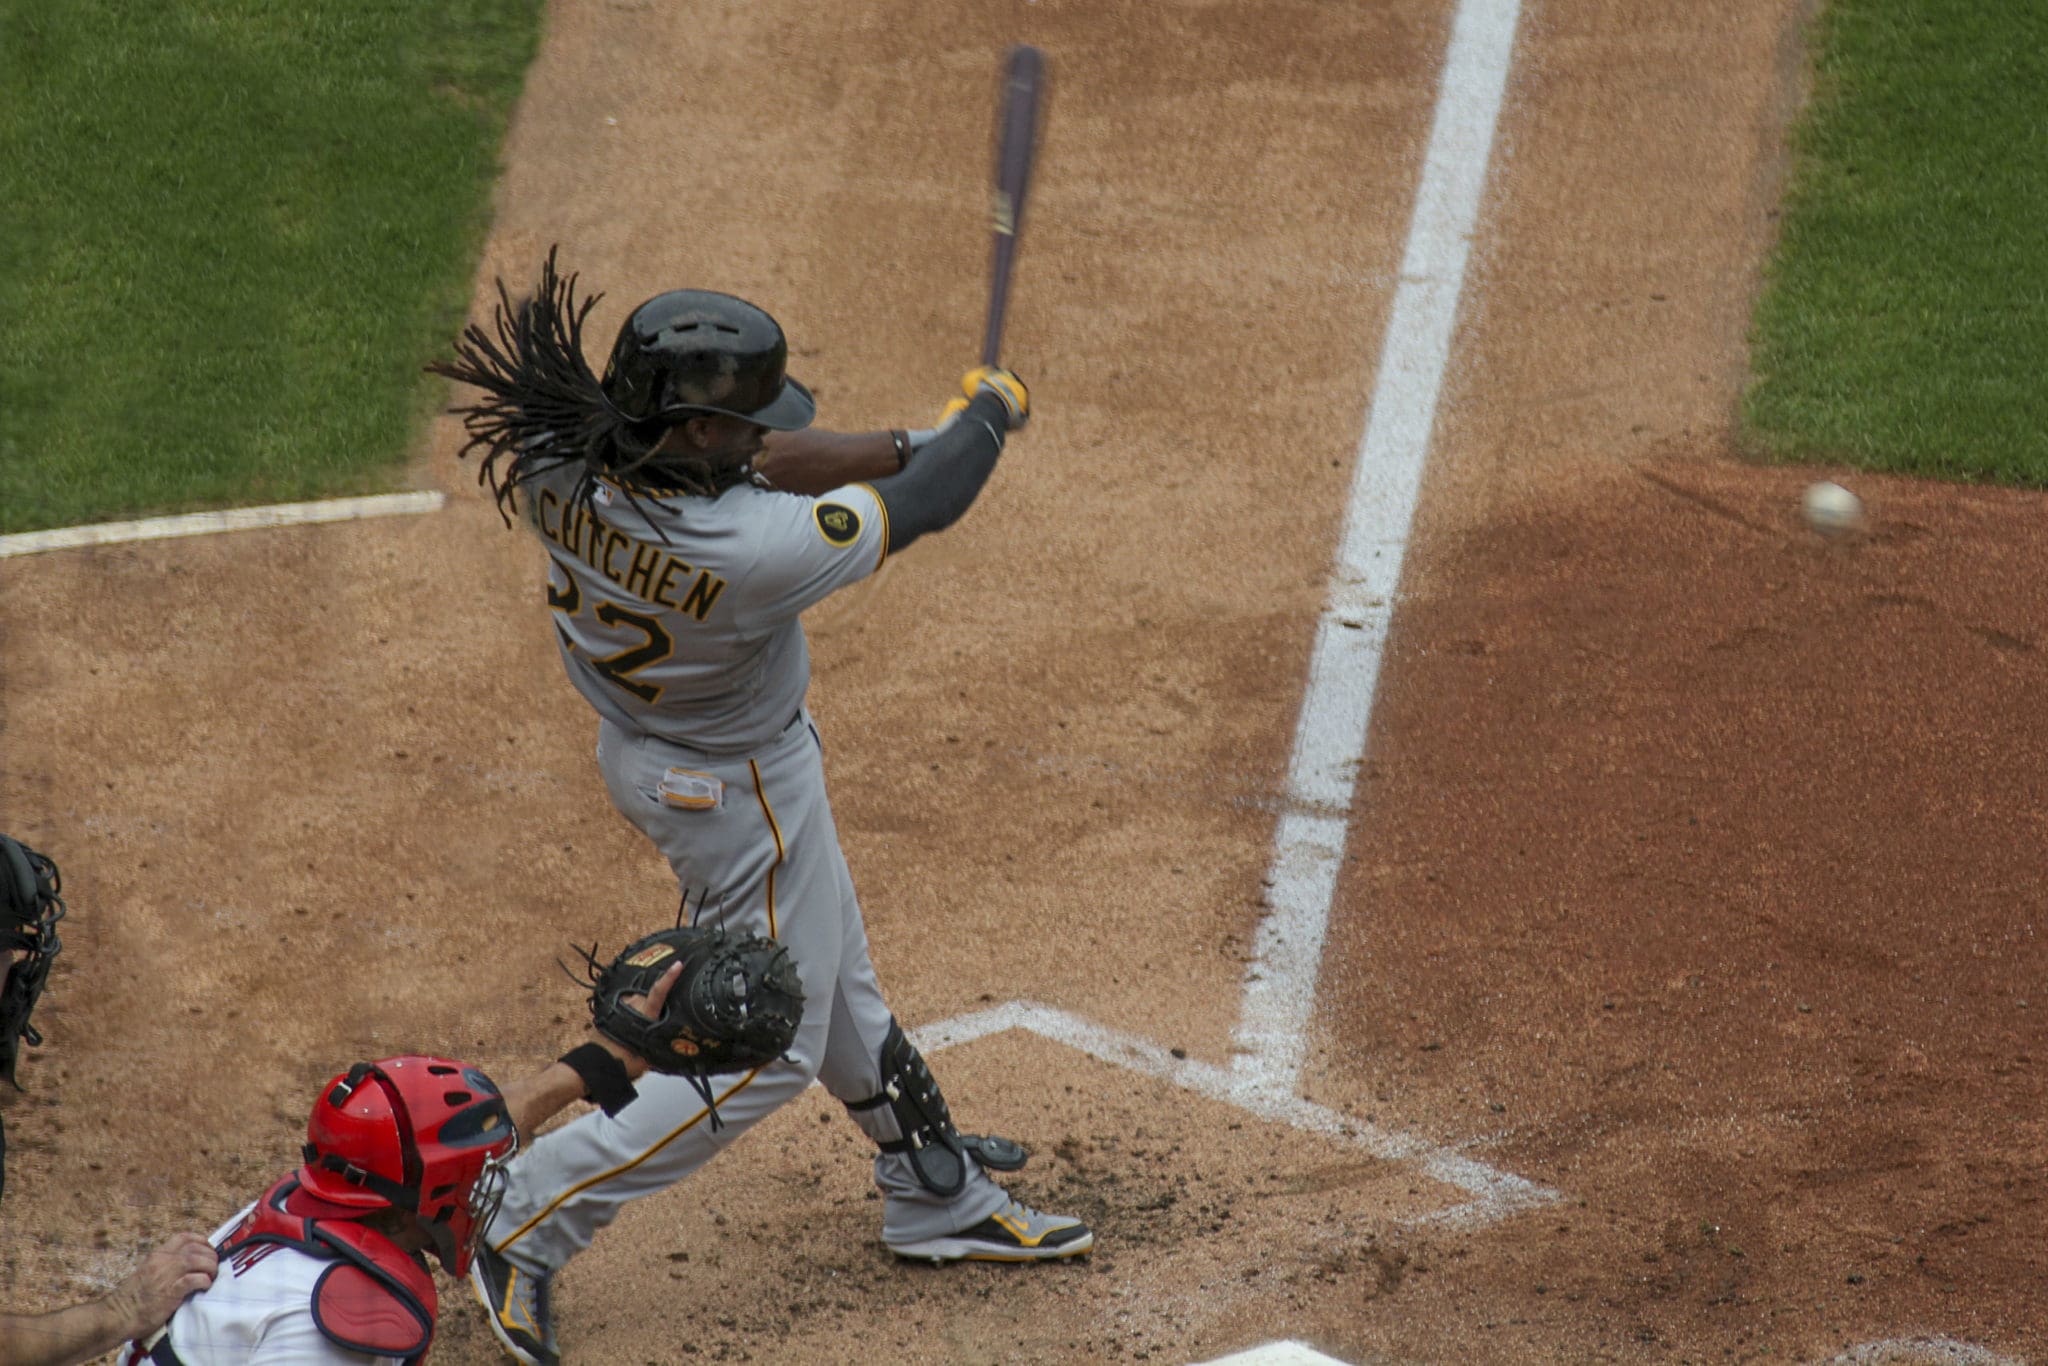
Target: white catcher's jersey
point(258, 1312)
point(678, 618)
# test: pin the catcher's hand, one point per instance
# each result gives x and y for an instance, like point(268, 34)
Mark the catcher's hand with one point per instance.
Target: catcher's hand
point(735, 1005)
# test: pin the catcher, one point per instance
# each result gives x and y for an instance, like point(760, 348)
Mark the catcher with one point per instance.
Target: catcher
point(405, 1160)
point(689, 518)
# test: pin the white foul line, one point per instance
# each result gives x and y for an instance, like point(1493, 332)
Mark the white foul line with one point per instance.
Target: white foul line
point(231, 519)
point(1329, 740)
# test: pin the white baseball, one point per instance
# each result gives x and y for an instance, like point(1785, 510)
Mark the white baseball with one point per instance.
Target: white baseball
point(1832, 509)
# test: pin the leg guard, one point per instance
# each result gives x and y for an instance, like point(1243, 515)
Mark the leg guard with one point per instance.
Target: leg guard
point(938, 1152)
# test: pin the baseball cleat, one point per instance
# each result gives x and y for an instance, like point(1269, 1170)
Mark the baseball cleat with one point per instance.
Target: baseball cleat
point(519, 1307)
point(1014, 1233)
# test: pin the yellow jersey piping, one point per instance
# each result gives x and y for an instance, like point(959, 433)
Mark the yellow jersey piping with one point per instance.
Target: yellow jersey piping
point(884, 509)
point(761, 795)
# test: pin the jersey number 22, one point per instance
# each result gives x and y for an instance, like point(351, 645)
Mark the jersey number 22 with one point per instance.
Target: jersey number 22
point(655, 644)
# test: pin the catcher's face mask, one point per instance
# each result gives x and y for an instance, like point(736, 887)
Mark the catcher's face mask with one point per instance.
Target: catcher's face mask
point(484, 1199)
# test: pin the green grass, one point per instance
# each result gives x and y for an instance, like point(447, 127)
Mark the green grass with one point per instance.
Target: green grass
point(1904, 321)
point(230, 233)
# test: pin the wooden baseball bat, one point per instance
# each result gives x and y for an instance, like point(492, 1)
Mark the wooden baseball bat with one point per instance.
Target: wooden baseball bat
point(1016, 148)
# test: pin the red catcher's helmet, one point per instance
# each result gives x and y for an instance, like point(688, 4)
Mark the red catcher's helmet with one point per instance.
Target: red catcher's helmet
point(427, 1135)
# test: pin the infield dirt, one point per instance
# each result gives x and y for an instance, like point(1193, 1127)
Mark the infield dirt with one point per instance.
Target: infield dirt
point(1694, 872)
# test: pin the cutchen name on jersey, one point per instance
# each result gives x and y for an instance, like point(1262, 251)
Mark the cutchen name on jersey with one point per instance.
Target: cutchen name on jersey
point(646, 571)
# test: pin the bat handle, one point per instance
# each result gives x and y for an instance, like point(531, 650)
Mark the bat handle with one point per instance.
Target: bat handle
point(999, 296)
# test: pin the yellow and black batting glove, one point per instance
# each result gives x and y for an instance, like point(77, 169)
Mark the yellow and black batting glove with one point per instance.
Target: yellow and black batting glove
point(920, 437)
point(1004, 385)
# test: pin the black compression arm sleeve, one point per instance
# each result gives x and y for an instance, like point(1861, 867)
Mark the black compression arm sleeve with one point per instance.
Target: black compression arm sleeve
point(941, 480)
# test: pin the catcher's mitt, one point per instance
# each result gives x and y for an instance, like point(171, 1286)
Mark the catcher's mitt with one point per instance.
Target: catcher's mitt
point(736, 1006)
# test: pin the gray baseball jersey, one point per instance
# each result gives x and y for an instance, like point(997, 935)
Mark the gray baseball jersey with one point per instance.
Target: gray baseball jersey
point(685, 627)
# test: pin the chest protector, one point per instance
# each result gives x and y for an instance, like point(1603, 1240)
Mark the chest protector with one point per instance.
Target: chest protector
point(375, 1298)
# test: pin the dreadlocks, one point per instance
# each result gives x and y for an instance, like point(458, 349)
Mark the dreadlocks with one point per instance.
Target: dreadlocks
point(544, 408)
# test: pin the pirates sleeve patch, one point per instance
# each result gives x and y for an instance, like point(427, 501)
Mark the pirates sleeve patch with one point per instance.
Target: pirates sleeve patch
point(837, 523)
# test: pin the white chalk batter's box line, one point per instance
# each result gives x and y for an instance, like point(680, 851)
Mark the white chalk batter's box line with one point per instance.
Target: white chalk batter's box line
point(1495, 1194)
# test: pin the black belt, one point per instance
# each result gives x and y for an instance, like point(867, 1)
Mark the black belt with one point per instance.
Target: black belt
point(163, 1354)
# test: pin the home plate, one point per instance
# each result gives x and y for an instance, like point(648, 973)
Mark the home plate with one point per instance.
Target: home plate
point(1276, 1354)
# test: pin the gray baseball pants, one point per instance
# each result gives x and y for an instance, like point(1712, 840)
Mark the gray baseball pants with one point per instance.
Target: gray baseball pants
point(768, 852)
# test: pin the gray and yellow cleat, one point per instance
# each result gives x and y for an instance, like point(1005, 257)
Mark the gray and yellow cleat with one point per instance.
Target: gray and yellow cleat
point(520, 1308)
point(1014, 1233)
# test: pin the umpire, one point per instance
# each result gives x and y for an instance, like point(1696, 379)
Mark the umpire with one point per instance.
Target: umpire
point(30, 907)
point(137, 1307)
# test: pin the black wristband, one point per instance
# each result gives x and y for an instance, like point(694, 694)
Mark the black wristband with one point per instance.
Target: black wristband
point(603, 1075)
point(902, 440)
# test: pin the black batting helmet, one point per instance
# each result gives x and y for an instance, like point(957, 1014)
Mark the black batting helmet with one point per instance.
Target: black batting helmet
point(693, 351)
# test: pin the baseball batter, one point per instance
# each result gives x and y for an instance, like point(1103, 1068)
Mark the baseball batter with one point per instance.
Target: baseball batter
point(682, 548)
